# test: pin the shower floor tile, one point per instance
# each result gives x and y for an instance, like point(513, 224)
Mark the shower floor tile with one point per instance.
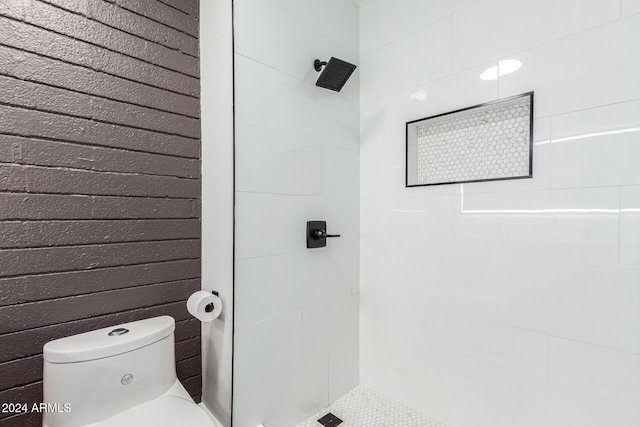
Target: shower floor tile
point(363, 407)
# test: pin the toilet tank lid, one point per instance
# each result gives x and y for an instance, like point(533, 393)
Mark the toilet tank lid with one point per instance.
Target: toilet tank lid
point(107, 342)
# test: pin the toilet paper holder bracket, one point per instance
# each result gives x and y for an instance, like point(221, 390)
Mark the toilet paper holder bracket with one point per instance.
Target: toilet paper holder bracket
point(210, 307)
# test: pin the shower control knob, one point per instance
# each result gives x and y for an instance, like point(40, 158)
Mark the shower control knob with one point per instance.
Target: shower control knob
point(322, 234)
point(317, 234)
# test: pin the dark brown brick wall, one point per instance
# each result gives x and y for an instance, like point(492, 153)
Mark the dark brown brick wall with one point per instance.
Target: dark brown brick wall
point(99, 177)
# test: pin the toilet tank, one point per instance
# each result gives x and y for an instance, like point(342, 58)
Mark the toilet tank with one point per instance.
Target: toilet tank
point(104, 372)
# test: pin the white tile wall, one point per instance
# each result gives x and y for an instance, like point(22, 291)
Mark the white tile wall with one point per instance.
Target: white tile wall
point(383, 21)
point(629, 7)
point(563, 72)
point(267, 349)
point(491, 29)
point(337, 20)
point(384, 71)
point(286, 400)
point(296, 338)
point(630, 227)
point(595, 147)
point(515, 302)
point(253, 286)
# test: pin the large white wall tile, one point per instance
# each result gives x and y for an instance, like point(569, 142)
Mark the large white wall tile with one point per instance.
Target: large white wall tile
point(295, 8)
point(253, 93)
point(371, 268)
point(286, 400)
point(567, 74)
point(428, 11)
point(308, 278)
point(419, 222)
point(588, 304)
point(372, 125)
point(482, 356)
point(341, 172)
point(630, 7)
point(335, 19)
point(255, 146)
point(298, 170)
point(277, 343)
point(459, 283)
point(384, 338)
point(570, 406)
point(267, 34)
point(517, 349)
point(344, 370)
point(608, 373)
point(481, 406)
point(268, 224)
point(330, 326)
point(307, 111)
point(422, 56)
point(453, 92)
point(253, 290)
point(278, 163)
point(576, 226)
point(595, 147)
point(372, 173)
point(491, 29)
point(383, 21)
point(630, 227)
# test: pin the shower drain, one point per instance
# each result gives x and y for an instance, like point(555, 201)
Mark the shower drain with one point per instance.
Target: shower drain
point(330, 420)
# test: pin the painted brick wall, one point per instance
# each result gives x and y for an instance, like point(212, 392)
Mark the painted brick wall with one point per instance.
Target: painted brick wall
point(99, 177)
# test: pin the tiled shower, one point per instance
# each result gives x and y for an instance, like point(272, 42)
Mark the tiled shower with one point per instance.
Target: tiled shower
point(479, 304)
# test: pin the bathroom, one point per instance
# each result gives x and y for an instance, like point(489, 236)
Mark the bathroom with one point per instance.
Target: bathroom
point(160, 152)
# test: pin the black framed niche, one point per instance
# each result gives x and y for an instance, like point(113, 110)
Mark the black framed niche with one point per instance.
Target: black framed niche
point(486, 142)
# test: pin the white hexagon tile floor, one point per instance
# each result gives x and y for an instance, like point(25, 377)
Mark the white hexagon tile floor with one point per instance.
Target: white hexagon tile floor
point(363, 407)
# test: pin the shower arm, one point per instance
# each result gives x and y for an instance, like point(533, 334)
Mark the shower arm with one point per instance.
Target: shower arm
point(317, 64)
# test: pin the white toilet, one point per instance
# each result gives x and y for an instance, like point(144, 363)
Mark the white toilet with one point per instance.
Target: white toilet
point(122, 376)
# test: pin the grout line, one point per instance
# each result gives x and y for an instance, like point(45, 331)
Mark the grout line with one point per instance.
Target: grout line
point(175, 8)
point(98, 46)
point(78, 245)
point(95, 292)
point(102, 97)
point(41, 273)
point(25, 166)
point(51, 193)
point(94, 145)
point(118, 29)
point(164, 24)
point(91, 18)
point(99, 96)
point(93, 119)
point(470, 68)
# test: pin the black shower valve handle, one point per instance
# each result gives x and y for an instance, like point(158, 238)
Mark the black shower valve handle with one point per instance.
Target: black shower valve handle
point(322, 234)
point(317, 234)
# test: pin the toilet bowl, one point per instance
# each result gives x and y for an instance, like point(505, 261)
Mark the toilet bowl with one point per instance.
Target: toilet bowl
point(122, 376)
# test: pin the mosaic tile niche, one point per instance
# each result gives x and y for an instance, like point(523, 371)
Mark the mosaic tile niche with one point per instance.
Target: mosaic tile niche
point(483, 143)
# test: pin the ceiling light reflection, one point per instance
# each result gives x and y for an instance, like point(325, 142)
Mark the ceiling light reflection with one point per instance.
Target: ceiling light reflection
point(420, 96)
point(588, 135)
point(503, 68)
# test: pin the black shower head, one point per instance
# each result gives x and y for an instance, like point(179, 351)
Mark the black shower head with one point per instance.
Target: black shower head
point(335, 74)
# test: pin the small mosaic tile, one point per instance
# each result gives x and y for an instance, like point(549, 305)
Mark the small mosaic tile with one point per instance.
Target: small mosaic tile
point(363, 407)
point(483, 143)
